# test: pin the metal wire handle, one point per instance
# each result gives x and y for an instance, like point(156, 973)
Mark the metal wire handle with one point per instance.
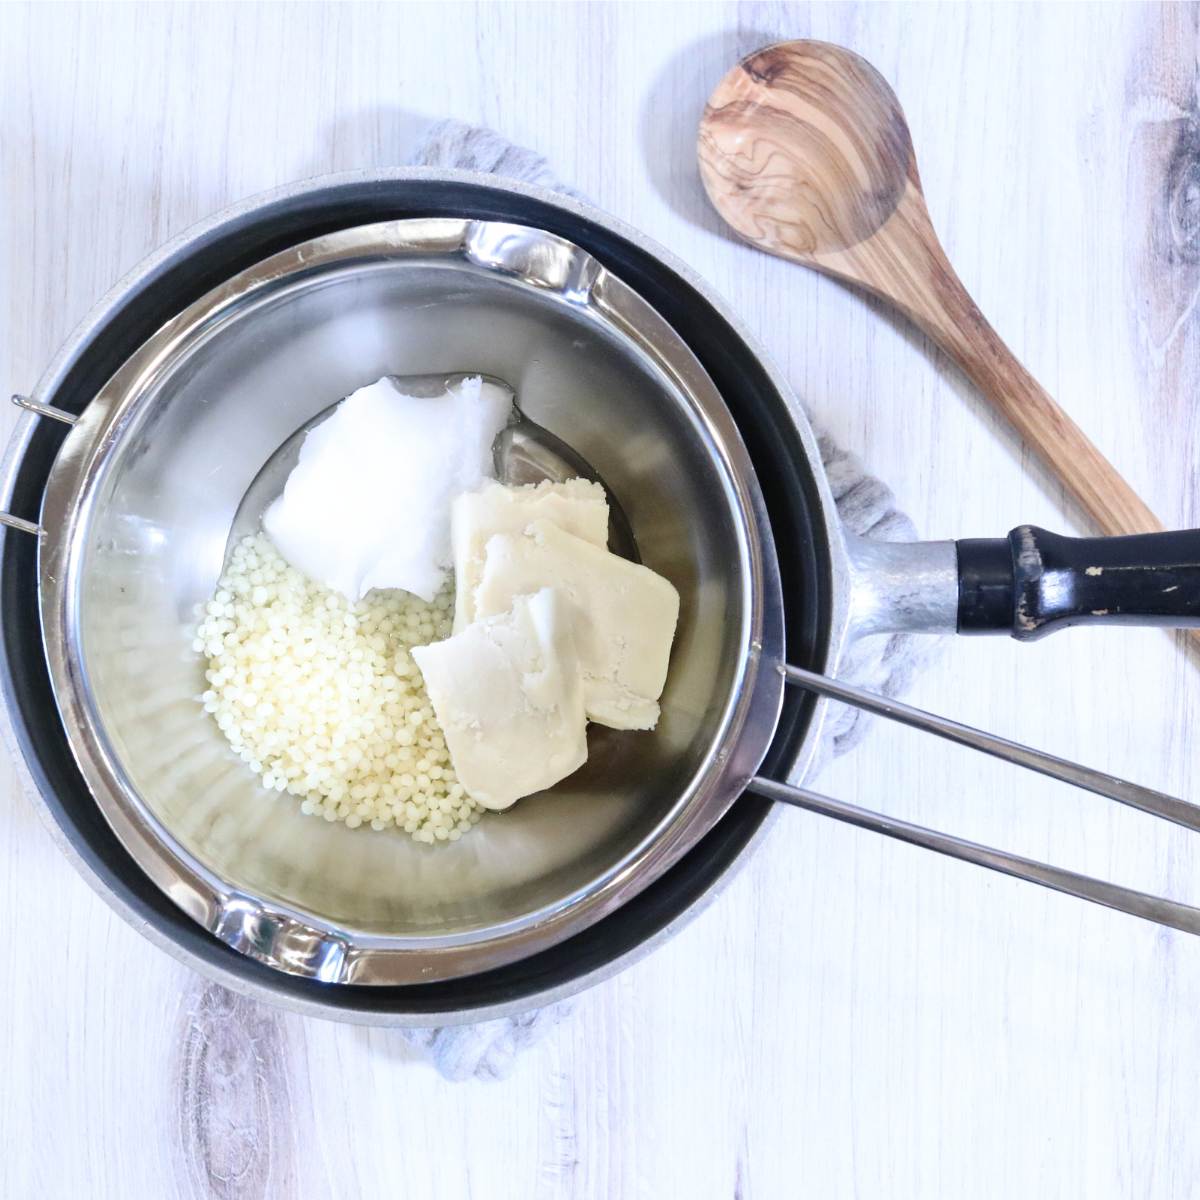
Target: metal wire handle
point(1111, 895)
point(55, 414)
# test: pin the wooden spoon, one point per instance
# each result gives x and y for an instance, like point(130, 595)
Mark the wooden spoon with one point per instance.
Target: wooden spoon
point(804, 150)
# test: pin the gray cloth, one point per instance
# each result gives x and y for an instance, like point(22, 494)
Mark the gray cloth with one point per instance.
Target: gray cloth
point(866, 506)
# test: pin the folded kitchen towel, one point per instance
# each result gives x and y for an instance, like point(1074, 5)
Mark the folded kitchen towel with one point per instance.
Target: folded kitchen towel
point(866, 506)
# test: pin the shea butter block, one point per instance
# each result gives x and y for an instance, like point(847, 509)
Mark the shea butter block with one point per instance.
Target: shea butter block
point(576, 505)
point(624, 615)
point(508, 694)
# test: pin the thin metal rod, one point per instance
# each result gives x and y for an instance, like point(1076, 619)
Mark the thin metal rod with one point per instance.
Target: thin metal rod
point(44, 410)
point(20, 523)
point(1111, 895)
point(1145, 799)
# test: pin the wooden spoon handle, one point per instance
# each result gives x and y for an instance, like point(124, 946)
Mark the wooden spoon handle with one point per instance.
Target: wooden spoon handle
point(954, 321)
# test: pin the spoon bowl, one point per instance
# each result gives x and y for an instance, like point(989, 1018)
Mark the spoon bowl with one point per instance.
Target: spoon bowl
point(790, 116)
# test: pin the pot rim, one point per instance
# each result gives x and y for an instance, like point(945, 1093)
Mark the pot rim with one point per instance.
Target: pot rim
point(177, 250)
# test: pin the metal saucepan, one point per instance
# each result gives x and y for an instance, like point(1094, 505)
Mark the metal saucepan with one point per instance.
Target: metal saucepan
point(201, 364)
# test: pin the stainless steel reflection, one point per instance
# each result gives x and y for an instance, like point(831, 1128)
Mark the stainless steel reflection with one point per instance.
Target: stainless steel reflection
point(143, 496)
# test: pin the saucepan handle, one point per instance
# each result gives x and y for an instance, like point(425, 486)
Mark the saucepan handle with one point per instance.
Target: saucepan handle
point(1034, 582)
point(1027, 584)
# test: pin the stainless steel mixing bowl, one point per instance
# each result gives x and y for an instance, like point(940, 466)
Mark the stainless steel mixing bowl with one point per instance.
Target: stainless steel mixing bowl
point(139, 506)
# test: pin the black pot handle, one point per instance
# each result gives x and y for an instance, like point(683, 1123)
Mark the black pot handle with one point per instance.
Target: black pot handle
point(1034, 582)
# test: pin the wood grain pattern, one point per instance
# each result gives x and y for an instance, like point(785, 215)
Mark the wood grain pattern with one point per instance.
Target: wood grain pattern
point(852, 1017)
point(237, 1133)
point(805, 151)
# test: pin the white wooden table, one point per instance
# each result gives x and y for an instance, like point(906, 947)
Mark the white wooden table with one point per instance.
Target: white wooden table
point(853, 1017)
